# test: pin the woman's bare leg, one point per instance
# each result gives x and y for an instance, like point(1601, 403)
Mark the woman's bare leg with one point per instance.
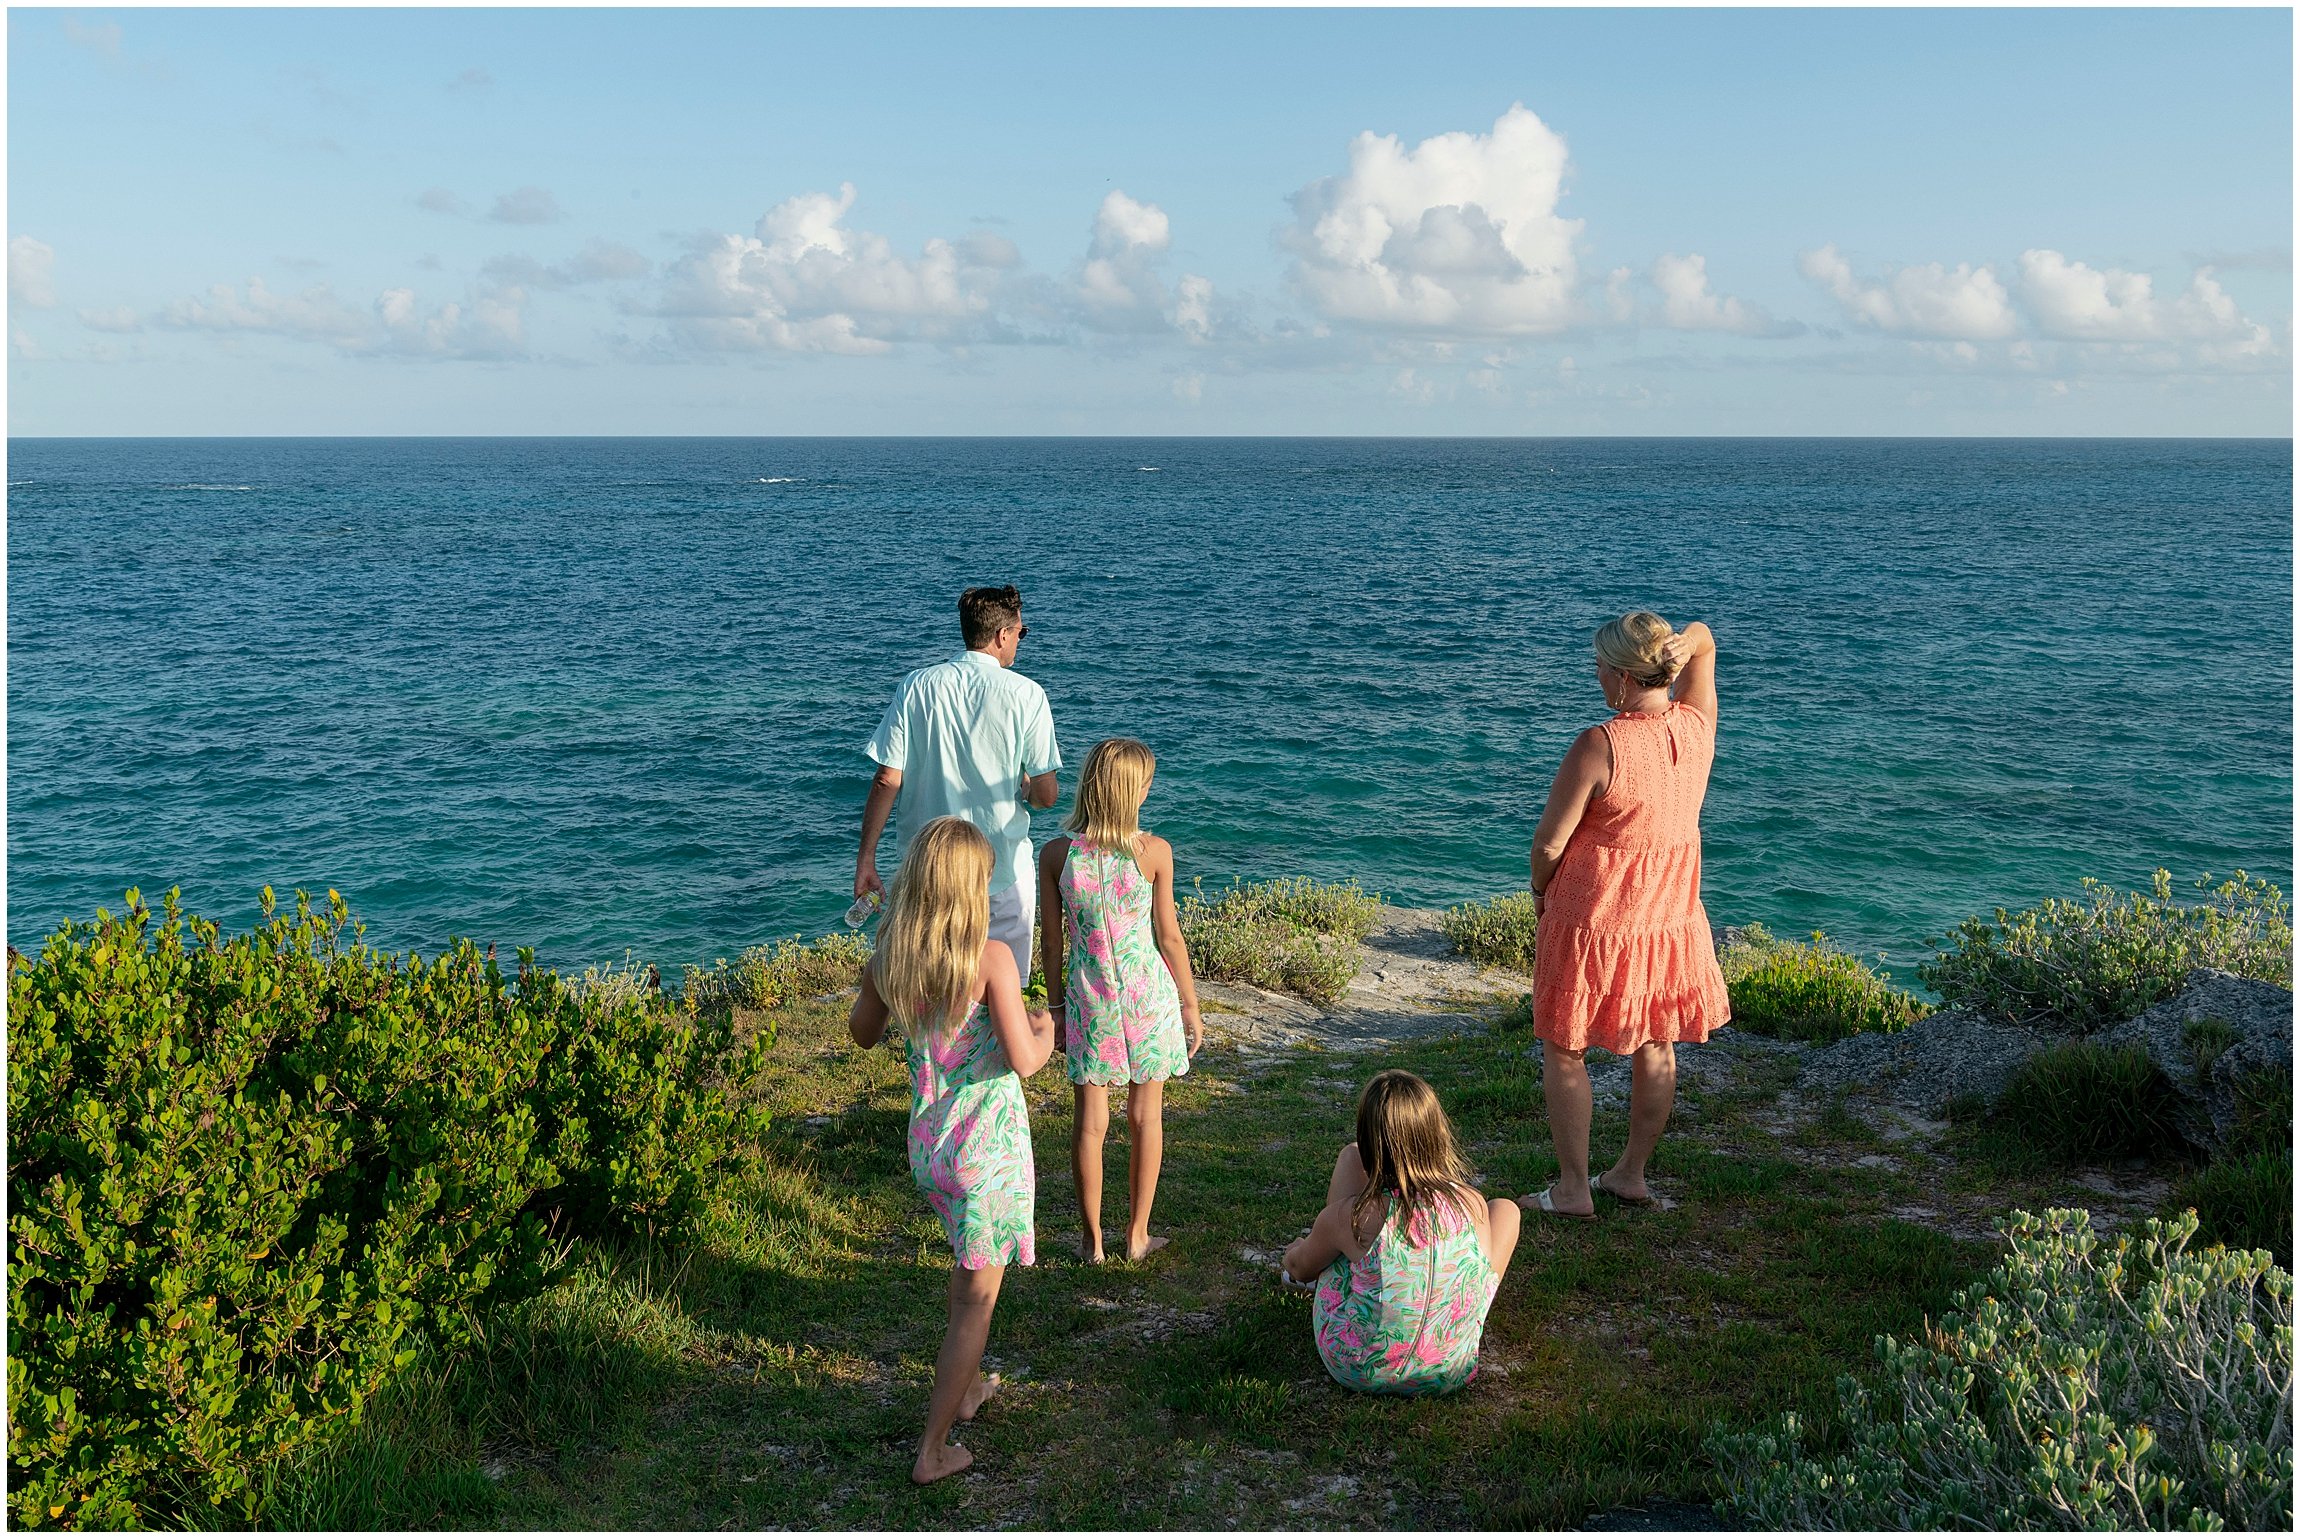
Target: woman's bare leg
point(1146, 1135)
point(959, 1387)
point(1652, 1093)
point(1565, 1088)
point(1089, 1125)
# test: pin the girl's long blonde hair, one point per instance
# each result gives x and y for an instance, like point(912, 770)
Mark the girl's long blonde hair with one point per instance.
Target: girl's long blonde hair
point(930, 944)
point(1108, 812)
point(1408, 1149)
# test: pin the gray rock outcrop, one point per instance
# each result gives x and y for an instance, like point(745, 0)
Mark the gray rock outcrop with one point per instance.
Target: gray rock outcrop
point(1946, 1056)
point(2217, 1032)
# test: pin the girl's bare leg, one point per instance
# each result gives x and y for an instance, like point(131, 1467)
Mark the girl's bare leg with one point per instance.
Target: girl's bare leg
point(959, 1387)
point(1089, 1125)
point(1146, 1132)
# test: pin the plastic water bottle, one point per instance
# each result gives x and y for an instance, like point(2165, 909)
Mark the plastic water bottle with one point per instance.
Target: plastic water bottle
point(860, 911)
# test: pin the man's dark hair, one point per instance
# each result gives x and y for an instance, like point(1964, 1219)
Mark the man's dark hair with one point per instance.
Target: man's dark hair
point(984, 612)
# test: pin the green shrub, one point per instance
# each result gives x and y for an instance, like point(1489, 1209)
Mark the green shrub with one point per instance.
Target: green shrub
point(2080, 966)
point(1809, 993)
point(1294, 935)
point(2080, 1100)
point(769, 977)
point(2137, 1385)
point(1498, 932)
point(248, 1175)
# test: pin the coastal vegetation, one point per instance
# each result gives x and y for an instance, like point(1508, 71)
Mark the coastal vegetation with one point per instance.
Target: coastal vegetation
point(2136, 1384)
point(2084, 964)
point(1809, 992)
point(308, 1235)
point(252, 1179)
point(1291, 934)
point(1497, 932)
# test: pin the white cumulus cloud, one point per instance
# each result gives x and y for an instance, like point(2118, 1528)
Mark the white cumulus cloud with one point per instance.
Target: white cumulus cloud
point(1964, 303)
point(490, 325)
point(1119, 285)
point(117, 318)
point(1459, 234)
point(314, 315)
point(600, 261)
point(1689, 304)
point(805, 282)
point(31, 273)
point(2076, 303)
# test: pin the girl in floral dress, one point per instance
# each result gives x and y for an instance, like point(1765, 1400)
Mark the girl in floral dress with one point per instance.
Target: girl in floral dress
point(1126, 990)
point(1410, 1254)
point(956, 999)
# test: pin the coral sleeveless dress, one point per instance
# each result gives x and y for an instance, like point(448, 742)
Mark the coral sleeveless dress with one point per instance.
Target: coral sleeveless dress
point(970, 1143)
point(1624, 955)
point(1123, 1021)
point(1407, 1319)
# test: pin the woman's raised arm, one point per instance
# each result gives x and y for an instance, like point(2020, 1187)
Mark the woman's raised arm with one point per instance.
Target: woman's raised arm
point(1693, 652)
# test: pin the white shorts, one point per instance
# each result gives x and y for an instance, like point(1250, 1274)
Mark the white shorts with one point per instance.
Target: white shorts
point(1013, 915)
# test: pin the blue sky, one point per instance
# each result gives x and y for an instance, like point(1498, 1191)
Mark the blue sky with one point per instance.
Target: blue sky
point(1396, 222)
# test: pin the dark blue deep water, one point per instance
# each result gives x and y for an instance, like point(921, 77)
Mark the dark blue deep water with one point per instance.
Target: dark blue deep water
point(593, 695)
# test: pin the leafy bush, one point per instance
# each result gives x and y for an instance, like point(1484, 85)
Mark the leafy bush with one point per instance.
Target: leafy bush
point(1809, 993)
point(2080, 966)
point(2140, 1386)
point(246, 1175)
point(2080, 1100)
point(1294, 935)
point(1498, 932)
point(768, 977)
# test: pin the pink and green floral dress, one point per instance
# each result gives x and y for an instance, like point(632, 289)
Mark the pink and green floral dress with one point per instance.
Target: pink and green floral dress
point(1407, 1319)
point(1123, 1016)
point(970, 1142)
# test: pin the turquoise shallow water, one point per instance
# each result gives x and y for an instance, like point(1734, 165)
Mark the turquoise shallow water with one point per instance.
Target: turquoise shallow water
point(593, 695)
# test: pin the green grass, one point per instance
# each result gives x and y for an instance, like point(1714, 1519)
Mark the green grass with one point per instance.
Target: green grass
point(2080, 1100)
point(777, 1373)
point(1802, 992)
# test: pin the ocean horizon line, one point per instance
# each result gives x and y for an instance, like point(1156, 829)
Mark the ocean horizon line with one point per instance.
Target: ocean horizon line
point(1464, 438)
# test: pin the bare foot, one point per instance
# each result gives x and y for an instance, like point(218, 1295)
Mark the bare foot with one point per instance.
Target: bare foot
point(1621, 1191)
point(939, 1463)
point(1153, 1242)
point(985, 1385)
point(1090, 1250)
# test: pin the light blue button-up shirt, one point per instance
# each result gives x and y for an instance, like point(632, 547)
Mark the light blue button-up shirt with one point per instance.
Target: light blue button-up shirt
point(965, 733)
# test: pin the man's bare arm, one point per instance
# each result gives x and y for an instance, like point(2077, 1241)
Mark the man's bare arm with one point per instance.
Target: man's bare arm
point(1039, 790)
point(883, 788)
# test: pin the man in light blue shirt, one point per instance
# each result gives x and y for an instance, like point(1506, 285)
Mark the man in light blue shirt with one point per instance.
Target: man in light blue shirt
point(971, 738)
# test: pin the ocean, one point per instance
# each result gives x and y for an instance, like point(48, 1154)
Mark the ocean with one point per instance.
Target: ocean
point(608, 697)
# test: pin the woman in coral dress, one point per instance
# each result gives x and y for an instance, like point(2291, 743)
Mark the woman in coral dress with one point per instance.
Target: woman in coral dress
point(1623, 958)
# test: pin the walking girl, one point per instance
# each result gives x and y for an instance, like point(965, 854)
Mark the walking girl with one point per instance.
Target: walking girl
point(1406, 1254)
point(955, 996)
point(1123, 982)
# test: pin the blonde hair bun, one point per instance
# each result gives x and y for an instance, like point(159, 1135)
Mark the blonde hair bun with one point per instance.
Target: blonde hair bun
point(1633, 645)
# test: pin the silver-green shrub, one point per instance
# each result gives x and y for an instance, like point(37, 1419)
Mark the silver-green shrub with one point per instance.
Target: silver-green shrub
point(617, 984)
point(2080, 966)
point(2137, 1384)
point(1498, 932)
point(768, 977)
point(1294, 935)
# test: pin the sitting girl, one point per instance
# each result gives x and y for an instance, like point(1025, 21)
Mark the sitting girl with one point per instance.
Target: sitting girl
point(1411, 1253)
point(954, 995)
point(1127, 985)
